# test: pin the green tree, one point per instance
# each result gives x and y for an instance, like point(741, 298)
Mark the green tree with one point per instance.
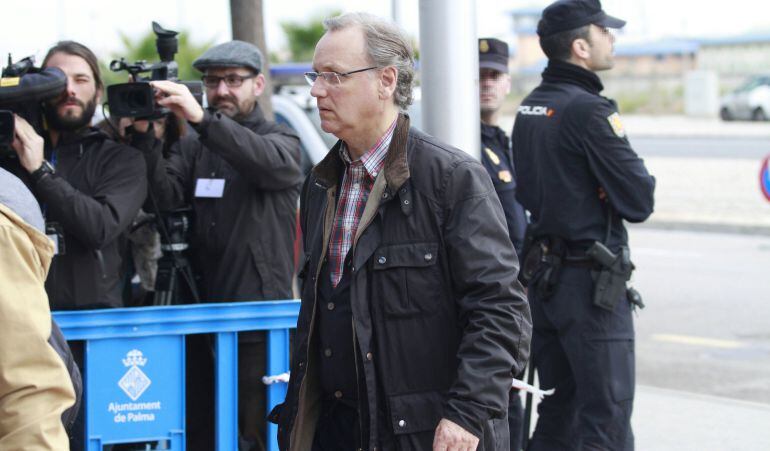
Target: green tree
point(144, 49)
point(303, 37)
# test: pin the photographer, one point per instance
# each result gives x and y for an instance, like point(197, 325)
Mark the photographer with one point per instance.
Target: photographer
point(241, 174)
point(89, 186)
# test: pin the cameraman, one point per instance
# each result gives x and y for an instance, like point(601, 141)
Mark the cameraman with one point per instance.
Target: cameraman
point(241, 174)
point(89, 186)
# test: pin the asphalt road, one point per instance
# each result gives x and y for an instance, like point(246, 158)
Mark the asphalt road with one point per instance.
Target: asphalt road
point(706, 327)
point(707, 147)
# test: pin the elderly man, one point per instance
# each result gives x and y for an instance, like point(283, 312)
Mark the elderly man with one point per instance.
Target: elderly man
point(242, 176)
point(412, 319)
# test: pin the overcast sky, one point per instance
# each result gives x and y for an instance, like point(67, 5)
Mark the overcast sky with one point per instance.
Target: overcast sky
point(31, 26)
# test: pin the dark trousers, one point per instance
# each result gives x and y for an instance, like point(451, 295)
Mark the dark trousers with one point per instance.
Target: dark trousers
point(515, 420)
point(587, 354)
point(338, 428)
point(252, 416)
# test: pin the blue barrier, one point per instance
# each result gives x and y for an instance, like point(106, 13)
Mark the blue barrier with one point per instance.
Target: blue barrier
point(134, 367)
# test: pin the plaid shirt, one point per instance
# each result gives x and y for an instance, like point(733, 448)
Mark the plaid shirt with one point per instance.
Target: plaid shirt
point(357, 182)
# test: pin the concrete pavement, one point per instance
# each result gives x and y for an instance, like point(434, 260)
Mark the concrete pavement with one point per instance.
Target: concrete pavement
point(667, 420)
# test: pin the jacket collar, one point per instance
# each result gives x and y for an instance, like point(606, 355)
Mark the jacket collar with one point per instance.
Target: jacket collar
point(395, 169)
point(564, 72)
point(252, 119)
point(81, 136)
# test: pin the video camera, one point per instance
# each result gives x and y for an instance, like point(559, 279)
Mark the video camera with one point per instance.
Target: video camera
point(137, 98)
point(23, 88)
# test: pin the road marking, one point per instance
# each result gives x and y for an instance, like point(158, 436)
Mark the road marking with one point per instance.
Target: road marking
point(699, 341)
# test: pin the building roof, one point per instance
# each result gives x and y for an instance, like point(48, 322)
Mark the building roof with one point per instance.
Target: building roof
point(527, 11)
point(655, 48)
point(748, 38)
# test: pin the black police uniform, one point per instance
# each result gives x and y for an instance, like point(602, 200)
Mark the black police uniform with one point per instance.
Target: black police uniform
point(498, 161)
point(571, 149)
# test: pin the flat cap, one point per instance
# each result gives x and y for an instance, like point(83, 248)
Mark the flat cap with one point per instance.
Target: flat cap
point(493, 54)
point(230, 54)
point(566, 15)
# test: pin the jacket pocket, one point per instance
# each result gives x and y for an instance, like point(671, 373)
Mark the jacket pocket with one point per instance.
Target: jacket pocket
point(415, 412)
point(407, 278)
point(413, 419)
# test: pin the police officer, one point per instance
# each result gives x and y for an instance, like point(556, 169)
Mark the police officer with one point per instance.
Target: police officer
point(580, 180)
point(494, 85)
point(496, 156)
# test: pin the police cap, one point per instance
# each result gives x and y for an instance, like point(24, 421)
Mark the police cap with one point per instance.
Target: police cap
point(566, 15)
point(493, 54)
point(230, 54)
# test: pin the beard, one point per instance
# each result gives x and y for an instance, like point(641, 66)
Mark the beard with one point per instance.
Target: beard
point(70, 120)
point(230, 107)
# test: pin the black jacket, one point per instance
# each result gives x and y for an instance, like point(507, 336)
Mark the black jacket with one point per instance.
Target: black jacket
point(569, 143)
point(242, 243)
point(497, 158)
point(439, 316)
point(97, 190)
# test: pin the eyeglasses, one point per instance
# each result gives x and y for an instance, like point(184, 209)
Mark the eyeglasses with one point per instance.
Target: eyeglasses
point(231, 80)
point(332, 78)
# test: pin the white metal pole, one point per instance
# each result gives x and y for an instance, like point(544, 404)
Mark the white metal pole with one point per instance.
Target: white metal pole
point(449, 72)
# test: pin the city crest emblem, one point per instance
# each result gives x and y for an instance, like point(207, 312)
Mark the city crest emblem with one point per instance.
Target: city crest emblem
point(134, 382)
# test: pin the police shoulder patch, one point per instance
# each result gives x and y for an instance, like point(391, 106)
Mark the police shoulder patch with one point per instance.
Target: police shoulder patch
point(617, 124)
point(492, 156)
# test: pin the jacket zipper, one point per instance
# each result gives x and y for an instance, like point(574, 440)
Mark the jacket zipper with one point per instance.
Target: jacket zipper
point(358, 386)
point(312, 321)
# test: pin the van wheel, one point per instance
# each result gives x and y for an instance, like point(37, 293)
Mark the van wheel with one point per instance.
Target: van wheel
point(758, 115)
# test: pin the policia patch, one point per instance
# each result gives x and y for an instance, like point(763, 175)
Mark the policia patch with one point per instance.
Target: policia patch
point(617, 125)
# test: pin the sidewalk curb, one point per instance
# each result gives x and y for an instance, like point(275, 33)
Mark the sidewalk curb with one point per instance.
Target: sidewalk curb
point(739, 229)
point(704, 397)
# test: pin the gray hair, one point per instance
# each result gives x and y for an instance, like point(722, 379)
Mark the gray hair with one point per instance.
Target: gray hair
point(386, 45)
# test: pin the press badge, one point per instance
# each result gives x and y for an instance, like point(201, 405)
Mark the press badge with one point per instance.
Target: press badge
point(211, 188)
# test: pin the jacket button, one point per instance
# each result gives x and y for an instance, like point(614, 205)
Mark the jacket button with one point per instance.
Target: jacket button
point(328, 352)
point(338, 394)
point(382, 260)
point(369, 356)
point(384, 195)
point(330, 306)
point(406, 201)
point(301, 364)
point(428, 257)
point(401, 423)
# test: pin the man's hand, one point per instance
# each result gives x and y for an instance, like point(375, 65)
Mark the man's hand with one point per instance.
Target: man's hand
point(178, 98)
point(450, 436)
point(28, 145)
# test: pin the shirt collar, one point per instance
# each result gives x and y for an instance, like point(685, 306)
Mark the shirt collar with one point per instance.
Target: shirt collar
point(374, 158)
